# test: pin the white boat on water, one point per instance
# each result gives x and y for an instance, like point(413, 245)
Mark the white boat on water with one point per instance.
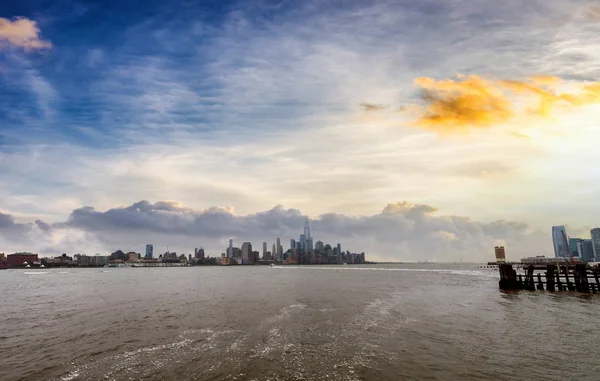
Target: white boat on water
point(273, 265)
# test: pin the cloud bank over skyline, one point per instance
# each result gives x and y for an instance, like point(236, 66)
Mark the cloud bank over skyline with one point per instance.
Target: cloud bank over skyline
point(331, 108)
point(401, 231)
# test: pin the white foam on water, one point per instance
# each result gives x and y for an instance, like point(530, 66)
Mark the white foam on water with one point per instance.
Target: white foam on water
point(443, 271)
point(35, 272)
point(284, 313)
point(71, 376)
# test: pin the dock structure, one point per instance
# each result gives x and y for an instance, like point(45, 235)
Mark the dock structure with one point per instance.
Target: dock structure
point(569, 277)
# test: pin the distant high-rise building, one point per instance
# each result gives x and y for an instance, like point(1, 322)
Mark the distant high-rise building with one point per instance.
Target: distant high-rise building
point(574, 246)
point(320, 246)
point(189, 257)
point(596, 242)
point(307, 229)
point(264, 253)
point(339, 247)
point(309, 245)
point(302, 242)
point(279, 249)
point(274, 252)
point(560, 240)
point(200, 254)
point(500, 254)
point(247, 250)
point(292, 244)
point(585, 249)
point(149, 251)
point(230, 249)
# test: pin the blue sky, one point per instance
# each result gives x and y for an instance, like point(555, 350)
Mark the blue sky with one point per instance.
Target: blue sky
point(246, 105)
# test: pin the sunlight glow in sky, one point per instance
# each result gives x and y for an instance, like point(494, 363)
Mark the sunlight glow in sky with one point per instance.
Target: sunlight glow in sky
point(481, 119)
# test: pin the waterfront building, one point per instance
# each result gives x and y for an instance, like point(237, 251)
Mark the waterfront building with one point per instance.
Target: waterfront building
point(18, 259)
point(100, 260)
point(230, 249)
point(131, 257)
point(596, 242)
point(274, 252)
point(560, 240)
point(200, 254)
point(339, 247)
point(264, 253)
point(292, 244)
point(149, 251)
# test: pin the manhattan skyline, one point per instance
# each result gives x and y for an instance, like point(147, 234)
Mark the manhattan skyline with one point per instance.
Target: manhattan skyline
point(411, 131)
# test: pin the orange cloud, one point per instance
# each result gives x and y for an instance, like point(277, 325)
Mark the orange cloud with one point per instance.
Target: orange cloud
point(21, 32)
point(473, 101)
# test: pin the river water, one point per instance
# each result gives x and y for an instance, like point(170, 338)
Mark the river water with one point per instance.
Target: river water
point(372, 322)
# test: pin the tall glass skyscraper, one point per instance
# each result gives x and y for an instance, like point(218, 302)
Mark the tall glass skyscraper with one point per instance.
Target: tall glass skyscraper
point(307, 229)
point(149, 251)
point(560, 240)
point(596, 242)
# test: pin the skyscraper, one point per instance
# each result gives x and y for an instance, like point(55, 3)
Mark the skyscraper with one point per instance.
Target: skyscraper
point(574, 246)
point(274, 252)
point(230, 250)
point(279, 249)
point(560, 240)
point(596, 242)
point(247, 250)
point(292, 244)
point(307, 229)
point(264, 250)
point(302, 242)
point(149, 251)
point(339, 247)
point(585, 249)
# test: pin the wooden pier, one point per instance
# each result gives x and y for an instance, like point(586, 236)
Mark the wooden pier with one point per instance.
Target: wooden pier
point(574, 277)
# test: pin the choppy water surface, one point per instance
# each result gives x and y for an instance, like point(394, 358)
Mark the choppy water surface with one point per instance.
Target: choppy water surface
point(384, 322)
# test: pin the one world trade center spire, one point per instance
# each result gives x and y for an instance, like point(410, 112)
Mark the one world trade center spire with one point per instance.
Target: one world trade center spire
point(307, 229)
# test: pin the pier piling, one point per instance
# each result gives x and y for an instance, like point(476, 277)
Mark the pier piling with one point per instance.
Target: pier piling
point(550, 277)
point(569, 277)
point(540, 285)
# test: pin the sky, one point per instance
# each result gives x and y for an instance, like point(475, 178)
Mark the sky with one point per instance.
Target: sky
point(410, 130)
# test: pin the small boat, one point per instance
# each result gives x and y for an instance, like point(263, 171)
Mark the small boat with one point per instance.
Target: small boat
point(273, 265)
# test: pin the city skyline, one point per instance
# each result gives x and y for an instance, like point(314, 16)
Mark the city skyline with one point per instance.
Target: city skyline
point(392, 235)
point(406, 133)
